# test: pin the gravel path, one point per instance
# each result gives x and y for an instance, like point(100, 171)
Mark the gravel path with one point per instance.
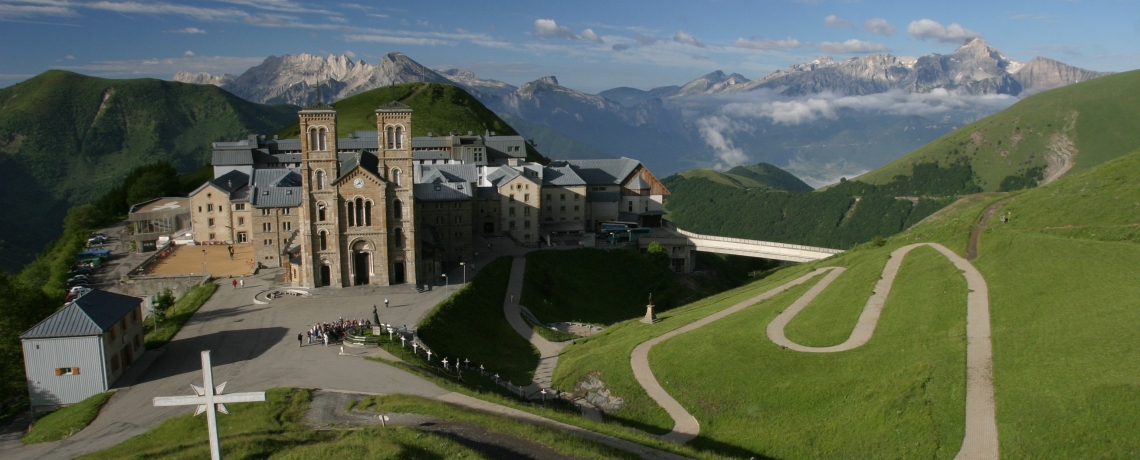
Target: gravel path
point(548, 351)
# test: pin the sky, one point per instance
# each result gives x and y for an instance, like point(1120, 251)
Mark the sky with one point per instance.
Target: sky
point(589, 45)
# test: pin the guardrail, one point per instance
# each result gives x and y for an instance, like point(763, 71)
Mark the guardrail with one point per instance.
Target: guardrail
point(758, 242)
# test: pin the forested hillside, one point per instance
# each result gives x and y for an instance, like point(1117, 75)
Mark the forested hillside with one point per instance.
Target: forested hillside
point(66, 138)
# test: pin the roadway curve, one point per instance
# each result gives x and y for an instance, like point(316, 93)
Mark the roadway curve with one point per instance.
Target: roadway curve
point(980, 440)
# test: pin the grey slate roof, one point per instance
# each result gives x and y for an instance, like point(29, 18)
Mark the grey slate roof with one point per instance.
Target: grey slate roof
point(91, 314)
point(560, 176)
point(393, 106)
point(350, 160)
point(275, 188)
point(502, 175)
point(286, 145)
point(442, 191)
point(603, 172)
point(231, 181)
point(448, 173)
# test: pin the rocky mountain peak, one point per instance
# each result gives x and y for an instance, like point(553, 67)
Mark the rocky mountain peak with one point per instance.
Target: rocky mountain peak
point(550, 80)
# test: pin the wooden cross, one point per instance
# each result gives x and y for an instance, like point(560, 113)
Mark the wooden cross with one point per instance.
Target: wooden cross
point(208, 399)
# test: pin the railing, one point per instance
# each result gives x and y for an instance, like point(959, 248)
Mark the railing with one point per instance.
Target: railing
point(758, 243)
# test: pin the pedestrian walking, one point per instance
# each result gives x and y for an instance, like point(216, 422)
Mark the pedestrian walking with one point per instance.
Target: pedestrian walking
point(241, 283)
point(235, 284)
point(309, 336)
point(231, 252)
point(385, 303)
point(299, 342)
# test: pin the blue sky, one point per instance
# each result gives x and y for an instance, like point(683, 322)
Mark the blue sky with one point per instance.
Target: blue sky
point(589, 45)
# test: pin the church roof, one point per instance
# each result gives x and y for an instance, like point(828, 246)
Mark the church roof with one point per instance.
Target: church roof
point(93, 313)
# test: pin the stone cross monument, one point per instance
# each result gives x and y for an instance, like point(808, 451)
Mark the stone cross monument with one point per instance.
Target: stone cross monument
point(208, 399)
point(650, 317)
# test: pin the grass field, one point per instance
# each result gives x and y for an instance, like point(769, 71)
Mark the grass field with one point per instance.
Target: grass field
point(276, 429)
point(470, 325)
point(1065, 308)
point(178, 314)
point(66, 421)
point(555, 282)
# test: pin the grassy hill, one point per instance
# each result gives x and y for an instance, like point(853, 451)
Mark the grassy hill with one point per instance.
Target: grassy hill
point(1064, 302)
point(1077, 126)
point(437, 108)
point(758, 176)
point(66, 138)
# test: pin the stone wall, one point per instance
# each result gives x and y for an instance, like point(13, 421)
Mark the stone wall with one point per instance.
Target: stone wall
point(142, 286)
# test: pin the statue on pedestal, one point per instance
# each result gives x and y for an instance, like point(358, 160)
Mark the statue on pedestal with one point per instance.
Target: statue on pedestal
point(650, 317)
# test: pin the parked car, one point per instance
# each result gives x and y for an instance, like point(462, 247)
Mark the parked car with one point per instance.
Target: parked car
point(95, 241)
point(79, 277)
point(100, 235)
point(81, 282)
point(80, 271)
point(79, 289)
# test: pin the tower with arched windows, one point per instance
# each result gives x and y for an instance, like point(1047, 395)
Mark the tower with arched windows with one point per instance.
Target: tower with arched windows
point(320, 256)
point(394, 126)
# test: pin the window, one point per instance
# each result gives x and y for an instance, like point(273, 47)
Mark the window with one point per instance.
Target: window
point(548, 208)
point(439, 220)
point(391, 136)
point(359, 212)
point(313, 139)
point(458, 205)
point(399, 137)
point(563, 197)
point(396, 176)
point(630, 205)
point(199, 209)
point(265, 212)
point(320, 179)
point(351, 213)
point(526, 198)
point(398, 237)
point(241, 221)
point(576, 207)
point(526, 224)
point(212, 237)
point(512, 198)
point(321, 137)
point(285, 211)
point(577, 197)
point(512, 226)
point(321, 209)
point(548, 197)
point(368, 213)
point(323, 236)
point(526, 237)
point(478, 155)
point(562, 209)
point(239, 207)
point(67, 371)
point(210, 222)
point(267, 242)
point(397, 210)
point(242, 237)
point(459, 219)
point(526, 211)
point(210, 207)
point(286, 226)
point(266, 226)
point(459, 234)
point(511, 212)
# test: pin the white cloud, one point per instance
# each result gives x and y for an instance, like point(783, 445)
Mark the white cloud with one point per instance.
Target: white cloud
point(378, 15)
point(795, 111)
point(685, 38)
point(188, 30)
point(547, 28)
point(215, 65)
point(923, 29)
point(24, 10)
point(620, 47)
point(376, 38)
point(645, 40)
point(590, 36)
point(188, 53)
point(350, 54)
point(879, 26)
point(852, 46)
point(767, 44)
point(715, 131)
point(836, 21)
point(69, 57)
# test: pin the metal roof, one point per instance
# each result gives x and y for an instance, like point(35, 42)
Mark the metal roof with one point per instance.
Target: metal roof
point(560, 176)
point(431, 142)
point(162, 204)
point(231, 181)
point(93, 313)
point(442, 192)
point(288, 157)
point(448, 173)
point(232, 158)
point(288, 145)
point(275, 188)
point(502, 175)
point(604, 171)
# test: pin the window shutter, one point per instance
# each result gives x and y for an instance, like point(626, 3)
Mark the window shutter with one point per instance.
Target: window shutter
point(75, 370)
point(58, 371)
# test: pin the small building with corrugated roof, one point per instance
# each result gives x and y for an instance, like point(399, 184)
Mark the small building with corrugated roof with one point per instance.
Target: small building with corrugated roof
point(80, 350)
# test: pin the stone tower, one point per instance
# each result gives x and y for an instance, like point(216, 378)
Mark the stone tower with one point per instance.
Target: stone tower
point(394, 126)
point(319, 223)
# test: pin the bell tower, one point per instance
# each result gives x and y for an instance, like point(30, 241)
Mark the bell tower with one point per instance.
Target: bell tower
point(394, 129)
point(320, 255)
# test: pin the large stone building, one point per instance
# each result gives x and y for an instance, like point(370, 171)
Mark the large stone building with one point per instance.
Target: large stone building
point(381, 207)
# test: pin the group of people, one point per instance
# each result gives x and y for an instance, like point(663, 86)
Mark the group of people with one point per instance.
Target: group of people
point(334, 332)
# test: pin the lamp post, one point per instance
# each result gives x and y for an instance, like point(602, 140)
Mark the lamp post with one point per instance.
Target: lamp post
point(461, 264)
point(446, 286)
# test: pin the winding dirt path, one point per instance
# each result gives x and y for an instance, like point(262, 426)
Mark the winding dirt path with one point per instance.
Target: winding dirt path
point(980, 440)
point(548, 351)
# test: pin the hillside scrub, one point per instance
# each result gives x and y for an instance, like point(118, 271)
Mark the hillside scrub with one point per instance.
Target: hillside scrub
point(172, 319)
point(66, 421)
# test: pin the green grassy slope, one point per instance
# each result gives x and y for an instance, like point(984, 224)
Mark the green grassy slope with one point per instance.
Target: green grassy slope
point(1095, 119)
point(759, 176)
point(1065, 305)
point(437, 108)
point(66, 138)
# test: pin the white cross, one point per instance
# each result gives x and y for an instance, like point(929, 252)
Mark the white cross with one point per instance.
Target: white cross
point(208, 398)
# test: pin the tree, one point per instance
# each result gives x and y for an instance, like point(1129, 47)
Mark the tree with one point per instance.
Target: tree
point(658, 254)
point(162, 302)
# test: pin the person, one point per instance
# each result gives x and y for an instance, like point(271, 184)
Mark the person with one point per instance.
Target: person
point(231, 252)
point(385, 303)
point(235, 284)
point(241, 283)
point(309, 336)
point(299, 342)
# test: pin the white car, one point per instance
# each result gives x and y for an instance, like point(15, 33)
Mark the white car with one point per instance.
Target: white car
point(78, 289)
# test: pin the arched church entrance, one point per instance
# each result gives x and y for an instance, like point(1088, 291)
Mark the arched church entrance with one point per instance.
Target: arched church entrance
point(325, 276)
point(361, 263)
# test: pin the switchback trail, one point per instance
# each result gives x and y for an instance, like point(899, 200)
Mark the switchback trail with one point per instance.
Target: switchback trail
point(980, 440)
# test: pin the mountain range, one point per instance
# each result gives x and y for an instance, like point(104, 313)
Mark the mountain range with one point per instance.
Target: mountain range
point(679, 127)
